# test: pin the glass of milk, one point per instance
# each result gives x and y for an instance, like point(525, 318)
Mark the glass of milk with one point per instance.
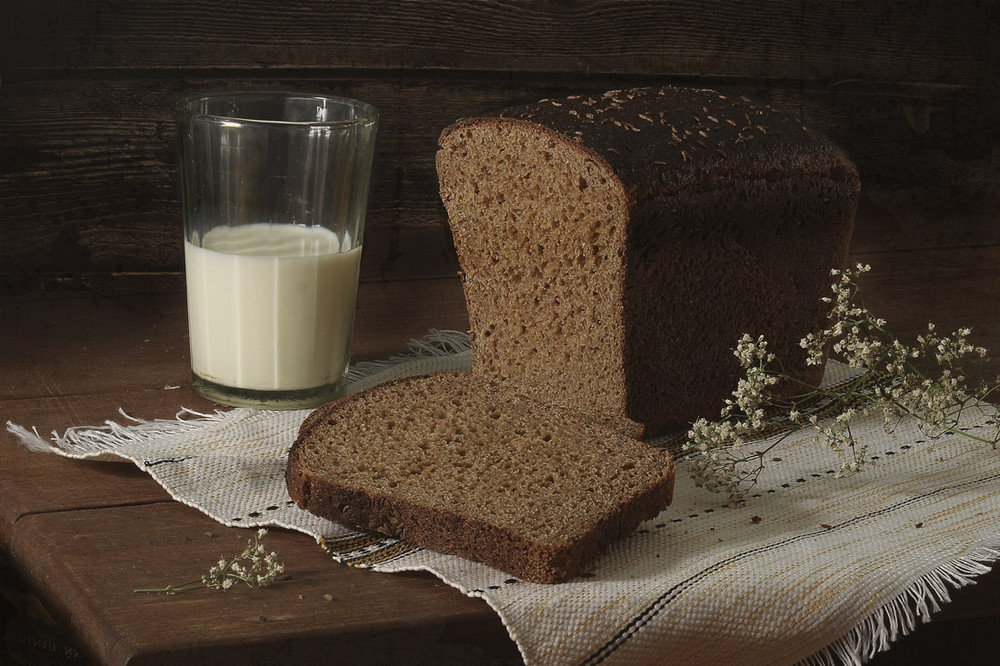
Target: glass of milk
point(274, 188)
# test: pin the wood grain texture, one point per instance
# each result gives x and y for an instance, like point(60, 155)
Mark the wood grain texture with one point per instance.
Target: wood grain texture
point(316, 612)
point(92, 187)
point(89, 187)
point(939, 41)
point(52, 483)
point(87, 167)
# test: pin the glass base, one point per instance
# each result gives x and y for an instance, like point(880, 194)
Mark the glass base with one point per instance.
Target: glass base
point(296, 399)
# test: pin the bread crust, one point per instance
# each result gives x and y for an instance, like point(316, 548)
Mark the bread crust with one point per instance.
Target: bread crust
point(460, 535)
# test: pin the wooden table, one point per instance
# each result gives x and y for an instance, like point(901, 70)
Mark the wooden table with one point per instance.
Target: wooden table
point(83, 535)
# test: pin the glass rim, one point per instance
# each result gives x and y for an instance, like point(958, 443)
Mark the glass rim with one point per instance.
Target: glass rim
point(185, 108)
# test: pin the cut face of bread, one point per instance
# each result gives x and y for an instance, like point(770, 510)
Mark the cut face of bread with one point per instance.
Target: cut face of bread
point(615, 248)
point(540, 228)
point(449, 463)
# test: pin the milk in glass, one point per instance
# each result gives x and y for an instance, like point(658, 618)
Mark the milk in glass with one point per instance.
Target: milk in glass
point(271, 306)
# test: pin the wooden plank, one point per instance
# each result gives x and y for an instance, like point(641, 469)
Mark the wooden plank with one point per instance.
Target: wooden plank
point(948, 42)
point(951, 287)
point(390, 314)
point(944, 642)
point(37, 483)
point(89, 186)
point(92, 345)
point(86, 564)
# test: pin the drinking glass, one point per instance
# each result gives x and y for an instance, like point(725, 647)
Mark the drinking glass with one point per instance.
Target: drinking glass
point(274, 190)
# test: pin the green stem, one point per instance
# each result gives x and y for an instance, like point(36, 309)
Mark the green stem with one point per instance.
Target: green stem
point(173, 589)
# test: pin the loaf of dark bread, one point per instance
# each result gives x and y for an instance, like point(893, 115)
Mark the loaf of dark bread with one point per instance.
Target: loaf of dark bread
point(614, 248)
point(449, 463)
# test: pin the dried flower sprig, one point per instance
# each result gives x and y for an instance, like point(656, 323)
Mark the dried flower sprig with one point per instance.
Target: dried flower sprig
point(923, 381)
point(254, 567)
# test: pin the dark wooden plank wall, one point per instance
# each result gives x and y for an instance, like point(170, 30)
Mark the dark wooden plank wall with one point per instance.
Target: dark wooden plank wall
point(88, 195)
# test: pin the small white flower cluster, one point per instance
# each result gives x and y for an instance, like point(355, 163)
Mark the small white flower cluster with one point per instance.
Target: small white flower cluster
point(862, 341)
point(751, 390)
point(722, 465)
point(836, 432)
point(895, 381)
point(254, 566)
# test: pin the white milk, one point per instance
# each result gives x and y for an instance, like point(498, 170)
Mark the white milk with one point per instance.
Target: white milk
point(271, 306)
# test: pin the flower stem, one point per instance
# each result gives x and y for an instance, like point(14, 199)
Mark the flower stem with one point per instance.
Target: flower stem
point(174, 589)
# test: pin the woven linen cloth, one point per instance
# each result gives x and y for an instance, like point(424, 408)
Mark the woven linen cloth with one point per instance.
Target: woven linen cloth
point(810, 568)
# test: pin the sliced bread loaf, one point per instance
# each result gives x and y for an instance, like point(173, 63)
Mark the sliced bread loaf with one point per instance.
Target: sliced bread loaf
point(450, 463)
point(615, 247)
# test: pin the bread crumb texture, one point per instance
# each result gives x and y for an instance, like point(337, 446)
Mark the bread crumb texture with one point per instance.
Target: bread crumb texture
point(539, 225)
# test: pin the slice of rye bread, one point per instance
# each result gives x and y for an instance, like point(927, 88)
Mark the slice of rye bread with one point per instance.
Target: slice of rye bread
point(614, 248)
point(450, 463)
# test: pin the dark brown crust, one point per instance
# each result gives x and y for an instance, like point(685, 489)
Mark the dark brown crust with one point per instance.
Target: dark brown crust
point(448, 532)
point(664, 140)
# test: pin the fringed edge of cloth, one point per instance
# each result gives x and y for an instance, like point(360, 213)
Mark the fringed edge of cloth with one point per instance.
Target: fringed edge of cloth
point(877, 632)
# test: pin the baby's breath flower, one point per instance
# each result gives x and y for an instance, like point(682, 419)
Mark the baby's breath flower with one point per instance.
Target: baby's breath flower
point(254, 566)
point(729, 454)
